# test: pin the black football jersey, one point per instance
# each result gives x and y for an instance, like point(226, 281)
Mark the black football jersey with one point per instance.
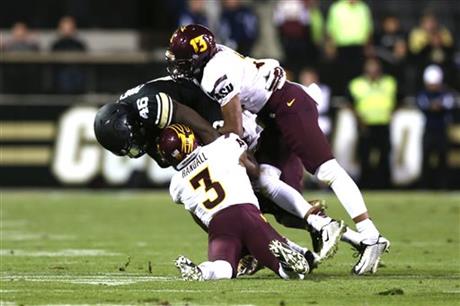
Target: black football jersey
point(152, 102)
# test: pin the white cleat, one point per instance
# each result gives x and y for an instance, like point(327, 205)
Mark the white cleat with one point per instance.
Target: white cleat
point(289, 259)
point(370, 256)
point(188, 270)
point(330, 236)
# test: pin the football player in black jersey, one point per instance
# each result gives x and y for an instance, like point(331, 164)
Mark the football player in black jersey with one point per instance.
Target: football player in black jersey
point(131, 125)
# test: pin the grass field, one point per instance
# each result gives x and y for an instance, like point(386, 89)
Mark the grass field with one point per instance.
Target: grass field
point(94, 248)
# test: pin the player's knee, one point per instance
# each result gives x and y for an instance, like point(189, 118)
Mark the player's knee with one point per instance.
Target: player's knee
point(330, 171)
point(218, 269)
point(269, 175)
point(222, 269)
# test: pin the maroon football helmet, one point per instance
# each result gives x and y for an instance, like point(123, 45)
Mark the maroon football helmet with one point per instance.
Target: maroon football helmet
point(190, 48)
point(176, 142)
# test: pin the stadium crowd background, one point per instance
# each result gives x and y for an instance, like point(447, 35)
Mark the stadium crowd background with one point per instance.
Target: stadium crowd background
point(371, 58)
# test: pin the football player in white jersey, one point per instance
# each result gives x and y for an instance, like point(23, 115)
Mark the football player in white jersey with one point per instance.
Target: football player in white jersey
point(290, 116)
point(212, 183)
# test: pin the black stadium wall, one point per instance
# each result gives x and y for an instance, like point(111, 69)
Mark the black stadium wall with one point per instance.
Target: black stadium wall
point(54, 146)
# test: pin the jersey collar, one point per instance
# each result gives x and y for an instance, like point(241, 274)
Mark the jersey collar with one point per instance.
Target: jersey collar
point(188, 159)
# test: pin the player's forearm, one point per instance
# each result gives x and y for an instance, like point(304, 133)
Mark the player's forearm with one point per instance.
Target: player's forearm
point(232, 114)
point(185, 115)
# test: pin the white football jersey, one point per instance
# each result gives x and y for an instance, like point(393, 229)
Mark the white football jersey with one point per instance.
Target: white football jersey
point(211, 178)
point(228, 73)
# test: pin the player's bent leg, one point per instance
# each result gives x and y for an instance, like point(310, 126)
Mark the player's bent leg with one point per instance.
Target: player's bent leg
point(208, 270)
point(225, 248)
point(372, 245)
point(292, 171)
point(281, 193)
point(225, 237)
point(349, 195)
point(258, 239)
point(330, 231)
point(214, 270)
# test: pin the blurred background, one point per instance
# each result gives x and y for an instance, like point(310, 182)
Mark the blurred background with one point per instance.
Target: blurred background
point(388, 71)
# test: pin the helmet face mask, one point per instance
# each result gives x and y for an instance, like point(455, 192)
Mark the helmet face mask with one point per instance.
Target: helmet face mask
point(180, 68)
point(134, 148)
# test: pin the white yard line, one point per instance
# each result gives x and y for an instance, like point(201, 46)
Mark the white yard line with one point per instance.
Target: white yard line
point(21, 236)
point(63, 253)
point(108, 279)
point(12, 223)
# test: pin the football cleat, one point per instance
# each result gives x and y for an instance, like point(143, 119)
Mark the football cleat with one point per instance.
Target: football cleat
point(313, 260)
point(370, 256)
point(319, 207)
point(188, 270)
point(330, 237)
point(290, 260)
point(248, 265)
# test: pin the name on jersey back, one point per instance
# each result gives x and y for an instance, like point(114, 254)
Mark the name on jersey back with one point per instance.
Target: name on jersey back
point(199, 159)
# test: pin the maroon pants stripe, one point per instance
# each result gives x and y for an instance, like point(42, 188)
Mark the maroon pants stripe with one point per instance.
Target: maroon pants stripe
point(240, 230)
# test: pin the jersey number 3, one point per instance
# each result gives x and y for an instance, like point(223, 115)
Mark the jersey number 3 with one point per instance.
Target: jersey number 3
point(203, 177)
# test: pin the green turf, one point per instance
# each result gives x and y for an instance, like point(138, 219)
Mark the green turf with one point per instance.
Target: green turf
point(424, 229)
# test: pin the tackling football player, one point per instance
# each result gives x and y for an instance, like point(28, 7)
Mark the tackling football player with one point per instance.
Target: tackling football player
point(212, 183)
point(240, 83)
point(131, 126)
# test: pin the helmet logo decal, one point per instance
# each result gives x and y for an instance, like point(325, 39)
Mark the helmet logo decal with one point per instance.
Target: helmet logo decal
point(186, 136)
point(199, 44)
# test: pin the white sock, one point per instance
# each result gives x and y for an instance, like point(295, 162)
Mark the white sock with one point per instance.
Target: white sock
point(281, 193)
point(344, 187)
point(352, 237)
point(219, 269)
point(368, 231)
point(317, 222)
